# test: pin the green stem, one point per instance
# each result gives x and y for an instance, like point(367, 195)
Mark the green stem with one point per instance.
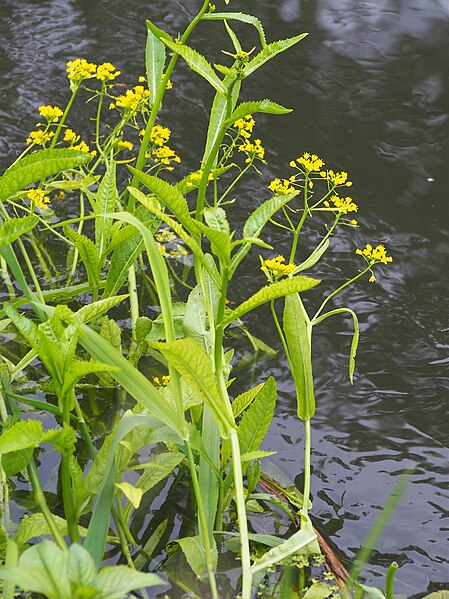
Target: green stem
point(331, 295)
point(202, 522)
point(241, 515)
point(234, 183)
point(307, 449)
point(389, 582)
point(64, 116)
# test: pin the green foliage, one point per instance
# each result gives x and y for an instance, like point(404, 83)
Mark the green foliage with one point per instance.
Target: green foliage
point(16, 227)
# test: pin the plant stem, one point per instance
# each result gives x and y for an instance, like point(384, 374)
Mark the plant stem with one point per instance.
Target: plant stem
point(307, 449)
point(389, 582)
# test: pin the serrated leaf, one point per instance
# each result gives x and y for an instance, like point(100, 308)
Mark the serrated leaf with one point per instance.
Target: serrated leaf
point(14, 228)
point(197, 63)
point(35, 525)
point(62, 439)
point(106, 198)
point(37, 166)
point(246, 108)
point(155, 62)
point(195, 317)
point(124, 256)
point(161, 466)
point(21, 435)
point(88, 252)
point(16, 461)
point(270, 51)
point(81, 569)
point(271, 292)
point(112, 333)
point(242, 401)
point(94, 310)
point(256, 419)
point(215, 218)
point(225, 70)
point(238, 16)
point(190, 360)
point(220, 242)
point(158, 33)
point(298, 331)
point(133, 494)
point(256, 455)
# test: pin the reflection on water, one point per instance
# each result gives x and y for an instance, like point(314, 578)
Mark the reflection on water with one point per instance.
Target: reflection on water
point(370, 89)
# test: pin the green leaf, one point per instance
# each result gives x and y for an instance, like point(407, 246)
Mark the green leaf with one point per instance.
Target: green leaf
point(35, 525)
point(215, 218)
point(256, 419)
point(298, 335)
point(220, 242)
point(269, 52)
point(195, 318)
point(193, 549)
point(124, 256)
point(106, 199)
point(62, 439)
point(37, 166)
point(132, 494)
point(438, 595)
point(238, 16)
point(14, 228)
point(306, 537)
point(89, 254)
point(256, 455)
point(21, 435)
point(247, 108)
point(16, 461)
point(197, 63)
point(155, 62)
point(81, 569)
point(160, 34)
point(313, 258)
point(190, 360)
point(116, 582)
point(372, 592)
point(94, 310)
point(161, 466)
point(271, 292)
point(112, 333)
point(242, 401)
point(318, 590)
point(168, 195)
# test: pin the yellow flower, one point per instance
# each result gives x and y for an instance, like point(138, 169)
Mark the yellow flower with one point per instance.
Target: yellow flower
point(245, 126)
point(254, 149)
point(343, 205)
point(82, 147)
point(133, 100)
point(39, 137)
point(374, 255)
point(159, 135)
point(338, 178)
point(162, 381)
point(275, 268)
point(124, 145)
point(78, 70)
point(165, 155)
point(38, 197)
point(51, 113)
point(70, 136)
point(310, 162)
point(281, 187)
point(194, 178)
point(106, 72)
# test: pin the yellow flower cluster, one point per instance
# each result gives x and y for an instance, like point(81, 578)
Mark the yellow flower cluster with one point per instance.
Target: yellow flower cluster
point(161, 381)
point(374, 255)
point(39, 137)
point(254, 149)
point(106, 72)
point(245, 126)
point(38, 197)
point(122, 144)
point(133, 100)
point(194, 179)
point(282, 187)
point(310, 162)
point(165, 236)
point(78, 70)
point(165, 155)
point(338, 178)
point(51, 113)
point(275, 268)
point(343, 205)
point(75, 142)
point(159, 135)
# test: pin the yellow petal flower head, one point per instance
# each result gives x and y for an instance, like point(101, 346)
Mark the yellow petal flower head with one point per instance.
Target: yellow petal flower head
point(281, 187)
point(338, 178)
point(165, 155)
point(39, 137)
point(51, 113)
point(159, 135)
point(253, 149)
point(275, 268)
point(245, 126)
point(343, 205)
point(78, 70)
point(70, 136)
point(38, 197)
point(373, 255)
point(132, 101)
point(107, 72)
point(310, 162)
point(124, 145)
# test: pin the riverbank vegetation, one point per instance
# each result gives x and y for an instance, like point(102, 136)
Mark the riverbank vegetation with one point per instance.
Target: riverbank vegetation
point(170, 486)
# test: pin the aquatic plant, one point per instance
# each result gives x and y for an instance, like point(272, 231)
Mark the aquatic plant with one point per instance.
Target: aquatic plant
point(168, 243)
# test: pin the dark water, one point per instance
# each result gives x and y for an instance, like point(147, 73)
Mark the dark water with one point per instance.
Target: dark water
point(370, 89)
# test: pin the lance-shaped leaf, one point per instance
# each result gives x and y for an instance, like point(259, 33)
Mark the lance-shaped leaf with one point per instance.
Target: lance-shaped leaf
point(89, 254)
point(37, 166)
point(96, 309)
point(256, 420)
point(123, 257)
point(169, 196)
point(313, 258)
point(270, 51)
point(105, 202)
point(193, 550)
point(155, 62)
point(242, 401)
point(14, 228)
point(298, 332)
point(245, 108)
point(192, 363)
point(238, 16)
point(197, 63)
point(220, 242)
point(271, 292)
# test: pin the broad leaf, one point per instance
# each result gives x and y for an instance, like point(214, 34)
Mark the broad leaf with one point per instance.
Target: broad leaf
point(193, 549)
point(93, 311)
point(35, 525)
point(195, 318)
point(271, 292)
point(133, 494)
point(220, 242)
point(155, 62)
point(21, 435)
point(318, 590)
point(270, 51)
point(215, 218)
point(37, 166)
point(298, 333)
point(116, 582)
point(14, 228)
point(256, 419)
point(313, 258)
